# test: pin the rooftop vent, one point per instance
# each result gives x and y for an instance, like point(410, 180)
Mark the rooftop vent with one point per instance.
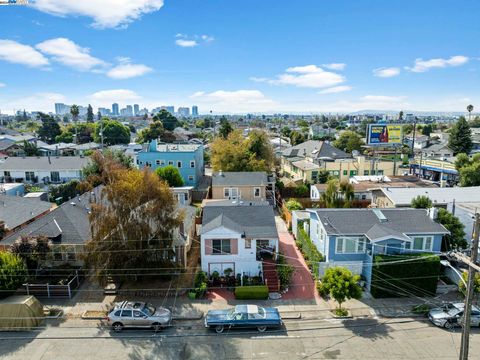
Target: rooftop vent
point(379, 214)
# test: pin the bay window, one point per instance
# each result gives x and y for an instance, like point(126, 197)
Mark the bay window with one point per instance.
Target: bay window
point(350, 245)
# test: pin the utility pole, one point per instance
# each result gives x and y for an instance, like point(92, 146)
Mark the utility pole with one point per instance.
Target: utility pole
point(470, 290)
point(101, 133)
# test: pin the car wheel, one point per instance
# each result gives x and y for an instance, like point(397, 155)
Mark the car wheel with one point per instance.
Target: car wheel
point(219, 329)
point(448, 325)
point(117, 327)
point(262, 328)
point(157, 327)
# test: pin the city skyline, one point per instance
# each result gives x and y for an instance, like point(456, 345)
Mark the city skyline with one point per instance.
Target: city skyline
point(332, 57)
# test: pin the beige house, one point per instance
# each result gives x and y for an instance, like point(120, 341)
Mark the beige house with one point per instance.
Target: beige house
point(256, 185)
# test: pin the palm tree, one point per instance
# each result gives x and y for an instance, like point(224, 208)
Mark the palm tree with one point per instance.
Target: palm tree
point(74, 110)
point(330, 195)
point(348, 192)
point(469, 109)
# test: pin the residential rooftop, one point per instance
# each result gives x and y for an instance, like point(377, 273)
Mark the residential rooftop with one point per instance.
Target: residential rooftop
point(442, 196)
point(16, 210)
point(376, 223)
point(319, 150)
point(43, 163)
point(253, 178)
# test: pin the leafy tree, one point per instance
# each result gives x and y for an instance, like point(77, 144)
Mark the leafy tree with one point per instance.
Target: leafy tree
point(102, 168)
point(225, 128)
point(296, 138)
point(13, 273)
point(421, 202)
point(65, 191)
point(460, 139)
point(349, 141)
point(65, 137)
point(30, 148)
point(285, 131)
point(342, 285)
point(293, 204)
point(302, 123)
point(3, 229)
point(427, 130)
point(114, 132)
point(475, 123)
point(476, 284)
point(154, 131)
point(171, 175)
point(99, 116)
point(236, 153)
point(456, 238)
point(468, 169)
point(400, 115)
point(90, 114)
point(32, 250)
point(49, 129)
point(168, 121)
point(133, 226)
point(302, 190)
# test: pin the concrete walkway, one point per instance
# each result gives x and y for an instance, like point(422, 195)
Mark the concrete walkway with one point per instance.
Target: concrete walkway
point(302, 286)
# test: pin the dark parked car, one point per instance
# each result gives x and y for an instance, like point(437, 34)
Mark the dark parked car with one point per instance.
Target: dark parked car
point(451, 315)
point(131, 314)
point(243, 316)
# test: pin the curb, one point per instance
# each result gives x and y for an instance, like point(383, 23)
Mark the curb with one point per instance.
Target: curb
point(291, 317)
point(187, 318)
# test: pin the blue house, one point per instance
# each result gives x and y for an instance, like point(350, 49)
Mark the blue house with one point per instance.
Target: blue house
point(351, 237)
point(188, 158)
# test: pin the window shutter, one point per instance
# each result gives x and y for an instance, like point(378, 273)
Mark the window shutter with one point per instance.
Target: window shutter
point(208, 246)
point(234, 246)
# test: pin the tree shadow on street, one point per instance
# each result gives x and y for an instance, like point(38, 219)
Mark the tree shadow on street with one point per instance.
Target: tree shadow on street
point(368, 328)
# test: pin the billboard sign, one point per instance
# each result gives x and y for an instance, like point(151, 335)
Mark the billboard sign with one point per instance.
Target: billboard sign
point(383, 134)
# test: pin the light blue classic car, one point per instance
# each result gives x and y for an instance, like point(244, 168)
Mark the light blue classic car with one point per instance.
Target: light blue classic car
point(243, 316)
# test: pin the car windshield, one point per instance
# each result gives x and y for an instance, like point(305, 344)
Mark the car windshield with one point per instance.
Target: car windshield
point(261, 312)
point(149, 309)
point(231, 314)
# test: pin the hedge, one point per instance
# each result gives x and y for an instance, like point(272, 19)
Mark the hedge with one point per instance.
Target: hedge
point(259, 292)
point(418, 277)
point(310, 252)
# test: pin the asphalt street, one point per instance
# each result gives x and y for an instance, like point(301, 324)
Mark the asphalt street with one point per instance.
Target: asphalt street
point(308, 338)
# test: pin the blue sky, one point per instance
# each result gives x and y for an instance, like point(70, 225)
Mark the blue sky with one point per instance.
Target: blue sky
point(241, 56)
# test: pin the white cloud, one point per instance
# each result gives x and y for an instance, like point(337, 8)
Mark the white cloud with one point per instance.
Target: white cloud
point(107, 97)
point(186, 43)
point(126, 70)
point(425, 65)
point(66, 52)
point(336, 89)
point(234, 101)
point(2, 85)
point(335, 66)
point(185, 40)
point(42, 101)
point(386, 72)
point(17, 53)
point(105, 13)
point(308, 76)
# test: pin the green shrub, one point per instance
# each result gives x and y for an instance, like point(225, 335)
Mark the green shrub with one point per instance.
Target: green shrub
point(322, 291)
point(422, 309)
point(200, 277)
point(309, 251)
point(293, 204)
point(416, 276)
point(251, 292)
point(285, 271)
point(13, 273)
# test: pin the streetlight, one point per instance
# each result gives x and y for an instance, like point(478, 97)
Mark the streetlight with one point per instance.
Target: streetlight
point(447, 264)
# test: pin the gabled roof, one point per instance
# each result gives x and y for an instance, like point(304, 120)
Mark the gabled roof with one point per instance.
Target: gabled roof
point(316, 150)
point(253, 178)
point(70, 220)
point(379, 232)
point(363, 221)
point(15, 210)
point(254, 221)
point(43, 163)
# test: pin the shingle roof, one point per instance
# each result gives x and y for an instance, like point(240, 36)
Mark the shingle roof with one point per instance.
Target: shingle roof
point(16, 210)
point(240, 178)
point(254, 221)
point(315, 149)
point(6, 143)
point(44, 163)
point(361, 221)
point(69, 220)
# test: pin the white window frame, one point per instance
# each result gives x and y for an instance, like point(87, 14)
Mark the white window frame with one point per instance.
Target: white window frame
point(360, 245)
point(228, 193)
point(222, 252)
point(192, 163)
point(248, 243)
point(255, 192)
point(425, 240)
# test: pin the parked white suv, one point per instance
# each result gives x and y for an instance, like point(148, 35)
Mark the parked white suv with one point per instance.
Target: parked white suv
point(131, 314)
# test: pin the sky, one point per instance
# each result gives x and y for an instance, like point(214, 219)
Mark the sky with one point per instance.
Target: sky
point(249, 56)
